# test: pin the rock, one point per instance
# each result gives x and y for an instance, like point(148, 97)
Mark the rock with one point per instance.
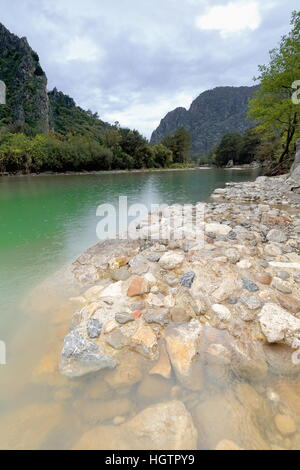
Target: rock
point(154, 257)
point(250, 285)
point(277, 236)
point(180, 315)
point(279, 358)
point(263, 278)
point(113, 290)
point(171, 260)
point(285, 425)
point(129, 372)
point(272, 250)
point(222, 417)
point(117, 263)
point(244, 264)
point(289, 303)
point(163, 366)
point(94, 412)
point(183, 345)
point(93, 293)
point(284, 275)
point(81, 356)
point(218, 229)
point(227, 445)
point(165, 426)
point(217, 360)
point(28, 428)
point(233, 301)
point(124, 317)
point(233, 255)
point(281, 286)
point(144, 342)
point(139, 265)
point(160, 316)
point(289, 396)
point(138, 286)
point(252, 302)
point(248, 359)
point(94, 328)
point(121, 274)
point(278, 325)
point(226, 289)
point(187, 279)
point(222, 312)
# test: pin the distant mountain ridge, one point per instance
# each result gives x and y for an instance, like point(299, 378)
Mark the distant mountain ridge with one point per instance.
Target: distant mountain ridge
point(212, 114)
point(30, 108)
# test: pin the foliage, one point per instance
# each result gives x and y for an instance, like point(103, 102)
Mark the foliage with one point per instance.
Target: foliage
point(240, 149)
point(180, 145)
point(272, 106)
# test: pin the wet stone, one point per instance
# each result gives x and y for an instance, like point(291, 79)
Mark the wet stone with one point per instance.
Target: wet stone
point(94, 328)
point(188, 279)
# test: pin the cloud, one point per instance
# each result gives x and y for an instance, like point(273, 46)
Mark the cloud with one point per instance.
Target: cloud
point(231, 18)
point(133, 61)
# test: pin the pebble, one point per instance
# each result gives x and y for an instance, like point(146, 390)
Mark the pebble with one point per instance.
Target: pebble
point(188, 279)
point(124, 317)
point(285, 424)
point(94, 328)
point(250, 285)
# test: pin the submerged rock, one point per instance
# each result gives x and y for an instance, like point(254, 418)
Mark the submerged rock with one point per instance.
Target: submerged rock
point(81, 356)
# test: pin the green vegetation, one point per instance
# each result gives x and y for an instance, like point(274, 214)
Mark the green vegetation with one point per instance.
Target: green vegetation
point(238, 148)
point(179, 144)
point(272, 106)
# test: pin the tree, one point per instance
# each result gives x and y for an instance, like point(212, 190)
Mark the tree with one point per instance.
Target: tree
point(228, 149)
point(180, 145)
point(162, 155)
point(272, 106)
point(251, 140)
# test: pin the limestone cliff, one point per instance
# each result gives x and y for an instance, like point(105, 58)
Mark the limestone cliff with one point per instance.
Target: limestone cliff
point(211, 115)
point(27, 107)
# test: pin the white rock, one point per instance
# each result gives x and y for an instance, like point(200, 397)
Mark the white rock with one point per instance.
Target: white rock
point(279, 325)
point(218, 229)
point(171, 260)
point(222, 312)
point(277, 264)
point(244, 264)
point(277, 236)
point(113, 290)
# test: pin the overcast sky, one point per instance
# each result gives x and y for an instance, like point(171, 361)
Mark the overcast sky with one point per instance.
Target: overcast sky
point(135, 60)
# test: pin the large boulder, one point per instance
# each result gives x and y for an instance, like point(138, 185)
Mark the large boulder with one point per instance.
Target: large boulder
point(278, 325)
point(165, 426)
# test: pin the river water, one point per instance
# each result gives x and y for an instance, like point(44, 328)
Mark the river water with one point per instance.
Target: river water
point(45, 222)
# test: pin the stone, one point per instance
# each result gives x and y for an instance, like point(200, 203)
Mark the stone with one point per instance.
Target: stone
point(81, 356)
point(272, 250)
point(217, 360)
point(124, 317)
point(222, 312)
point(284, 275)
point(180, 315)
point(129, 372)
point(183, 345)
point(113, 290)
point(221, 416)
point(248, 359)
point(285, 425)
point(227, 445)
point(289, 303)
point(252, 302)
point(93, 293)
point(187, 279)
point(250, 399)
point(288, 393)
point(233, 301)
point(94, 328)
point(163, 366)
point(282, 286)
point(218, 229)
point(277, 236)
point(121, 274)
point(117, 263)
point(233, 255)
point(279, 357)
point(160, 316)
point(171, 260)
point(154, 388)
point(278, 325)
point(164, 426)
point(225, 290)
point(250, 285)
point(263, 278)
point(28, 428)
point(138, 287)
point(139, 265)
point(154, 257)
point(144, 342)
point(244, 264)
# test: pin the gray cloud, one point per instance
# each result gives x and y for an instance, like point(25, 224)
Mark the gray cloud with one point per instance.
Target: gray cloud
point(134, 60)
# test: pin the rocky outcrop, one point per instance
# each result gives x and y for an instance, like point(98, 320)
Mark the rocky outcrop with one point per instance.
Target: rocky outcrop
point(211, 115)
point(27, 100)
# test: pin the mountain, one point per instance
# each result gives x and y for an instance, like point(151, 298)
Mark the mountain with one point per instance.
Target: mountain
point(30, 108)
point(214, 113)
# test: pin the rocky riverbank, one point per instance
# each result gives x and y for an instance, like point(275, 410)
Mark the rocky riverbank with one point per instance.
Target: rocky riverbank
point(208, 331)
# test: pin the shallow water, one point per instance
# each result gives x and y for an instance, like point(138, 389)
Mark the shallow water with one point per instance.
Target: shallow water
point(46, 222)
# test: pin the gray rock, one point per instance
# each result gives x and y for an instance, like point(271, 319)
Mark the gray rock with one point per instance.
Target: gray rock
point(252, 302)
point(94, 328)
point(139, 265)
point(232, 236)
point(233, 300)
point(160, 316)
point(284, 275)
point(81, 356)
point(250, 285)
point(188, 279)
point(153, 257)
point(124, 317)
point(264, 264)
point(121, 274)
point(277, 236)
